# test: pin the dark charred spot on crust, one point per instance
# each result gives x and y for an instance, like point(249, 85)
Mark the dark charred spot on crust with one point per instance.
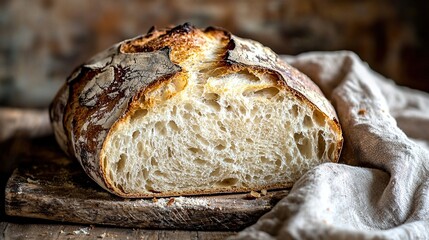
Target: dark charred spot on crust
point(156, 40)
point(76, 74)
point(167, 51)
point(83, 155)
point(223, 31)
point(85, 76)
point(231, 45)
point(226, 57)
point(151, 29)
point(184, 28)
point(134, 48)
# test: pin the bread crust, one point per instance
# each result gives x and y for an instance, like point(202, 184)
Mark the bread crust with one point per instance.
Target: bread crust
point(103, 92)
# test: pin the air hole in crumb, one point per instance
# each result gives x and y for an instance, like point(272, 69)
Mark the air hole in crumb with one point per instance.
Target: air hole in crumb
point(136, 134)
point(228, 160)
point(248, 177)
point(173, 126)
point(249, 141)
point(220, 147)
point(308, 123)
point(295, 111)
point(140, 149)
point(264, 159)
point(145, 173)
point(119, 186)
point(195, 150)
point(268, 178)
point(195, 127)
point(160, 128)
point(287, 124)
point(188, 107)
point(278, 163)
point(287, 157)
point(242, 110)
point(269, 92)
point(221, 126)
point(248, 75)
point(187, 116)
point(227, 182)
point(305, 148)
point(232, 147)
point(280, 98)
point(215, 173)
point(200, 161)
point(321, 145)
point(121, 162)
point(331, 151)
point(319, 118)
point(213, 104)
point(169, 153)
point(211, 96)
point(149, 187)
point(202, 140)
point(254, 110)
point(138, 114)
point(153, 162)
point(298, 137)
point(159, 173)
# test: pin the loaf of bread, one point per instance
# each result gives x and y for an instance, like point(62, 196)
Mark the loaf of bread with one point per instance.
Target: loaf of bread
point(185, 111)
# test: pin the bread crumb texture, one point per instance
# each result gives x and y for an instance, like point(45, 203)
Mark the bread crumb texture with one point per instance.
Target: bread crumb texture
point(215, 125)
point(215, 128)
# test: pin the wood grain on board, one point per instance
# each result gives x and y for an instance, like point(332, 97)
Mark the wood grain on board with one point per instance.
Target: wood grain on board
point(67, 231)
point(48, 185)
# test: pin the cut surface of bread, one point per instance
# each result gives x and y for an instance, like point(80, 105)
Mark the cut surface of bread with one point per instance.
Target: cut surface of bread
point(200, 112)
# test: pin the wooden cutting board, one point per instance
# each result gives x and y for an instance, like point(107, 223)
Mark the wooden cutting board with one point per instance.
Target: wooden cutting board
point(48, 185)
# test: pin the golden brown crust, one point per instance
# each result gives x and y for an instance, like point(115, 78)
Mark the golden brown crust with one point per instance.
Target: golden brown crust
point(100, 94)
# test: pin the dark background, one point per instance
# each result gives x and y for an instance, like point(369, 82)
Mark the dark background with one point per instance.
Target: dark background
point(41, 41)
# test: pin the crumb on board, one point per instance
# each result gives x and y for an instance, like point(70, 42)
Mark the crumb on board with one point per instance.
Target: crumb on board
point(253, 195)
point(29, 180)
point(181, 202)
point(103, 235)
point(264, 192)
point(84, 231)
point(361, 112)
point(170, 202)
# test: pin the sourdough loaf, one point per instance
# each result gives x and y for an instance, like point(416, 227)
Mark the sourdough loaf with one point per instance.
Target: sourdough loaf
point(185, 111)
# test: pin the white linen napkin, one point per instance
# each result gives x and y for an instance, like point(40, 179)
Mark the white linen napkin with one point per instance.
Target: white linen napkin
point(381, 188)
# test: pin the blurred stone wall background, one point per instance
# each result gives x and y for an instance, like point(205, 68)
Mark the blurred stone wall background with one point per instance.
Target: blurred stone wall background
point(41, 41)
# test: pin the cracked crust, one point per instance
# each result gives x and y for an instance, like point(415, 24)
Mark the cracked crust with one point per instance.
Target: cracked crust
point(104, 91)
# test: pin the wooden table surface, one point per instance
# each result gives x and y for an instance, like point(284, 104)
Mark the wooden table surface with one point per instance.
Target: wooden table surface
point(26, 228)
point(45, 231)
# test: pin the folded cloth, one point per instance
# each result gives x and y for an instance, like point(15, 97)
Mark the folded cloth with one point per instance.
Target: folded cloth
point(380, 190)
